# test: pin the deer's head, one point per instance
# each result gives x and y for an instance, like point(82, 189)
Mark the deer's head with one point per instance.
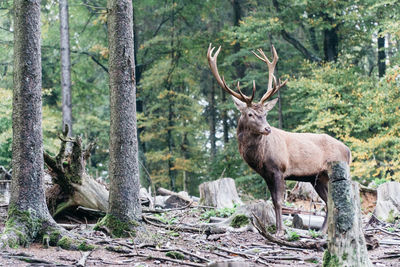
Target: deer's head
point(253, 115)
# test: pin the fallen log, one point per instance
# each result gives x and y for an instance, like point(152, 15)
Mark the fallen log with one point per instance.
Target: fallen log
point(303, 221)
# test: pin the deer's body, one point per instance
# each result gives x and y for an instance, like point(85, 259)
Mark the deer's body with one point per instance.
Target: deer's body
point(297, 156)
point(275, 154)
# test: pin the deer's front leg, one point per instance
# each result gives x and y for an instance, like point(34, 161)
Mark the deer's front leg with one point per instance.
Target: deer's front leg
point(276, 186)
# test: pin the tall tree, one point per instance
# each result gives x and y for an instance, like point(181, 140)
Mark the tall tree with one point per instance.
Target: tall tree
point(28, 216)
point(65, 67)
point(124, 170)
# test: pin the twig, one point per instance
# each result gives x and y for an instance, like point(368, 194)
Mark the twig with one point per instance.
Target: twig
point(82, 261)
point(181, 250)
point(166, 210)
point(247, 256)
point(387, 232)
point(164, 259)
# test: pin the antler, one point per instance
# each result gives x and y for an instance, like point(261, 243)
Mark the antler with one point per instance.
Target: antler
point(271, 78)
point(212, 61)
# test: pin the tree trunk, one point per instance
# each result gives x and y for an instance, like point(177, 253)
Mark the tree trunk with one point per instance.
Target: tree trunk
point(224, 115)
point(65, 67)
point(381, 55)
point(124, 170)
point(28, 216)
point(331, 43)
point(212, 121)
point(346, 242)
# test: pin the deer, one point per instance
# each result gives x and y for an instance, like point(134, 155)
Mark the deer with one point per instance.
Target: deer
point(277, 155)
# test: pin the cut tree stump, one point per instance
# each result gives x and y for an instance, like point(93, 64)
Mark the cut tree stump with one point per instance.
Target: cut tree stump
point(346, 242)
point(303, 191)
point(72, 185)
point(388, 202)
point(220, 193)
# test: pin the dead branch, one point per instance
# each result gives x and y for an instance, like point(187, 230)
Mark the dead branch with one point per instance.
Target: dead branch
point(82, 261)
point(204, 229)
point(151, 257)
point(318, 245)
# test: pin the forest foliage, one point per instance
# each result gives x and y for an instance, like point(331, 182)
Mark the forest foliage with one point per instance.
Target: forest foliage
point(328, 50)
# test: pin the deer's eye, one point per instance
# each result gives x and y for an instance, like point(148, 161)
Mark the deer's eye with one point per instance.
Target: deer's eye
point(250, 115)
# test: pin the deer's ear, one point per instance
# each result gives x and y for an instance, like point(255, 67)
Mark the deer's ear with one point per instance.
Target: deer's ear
point(239, 104)
point(270, 104)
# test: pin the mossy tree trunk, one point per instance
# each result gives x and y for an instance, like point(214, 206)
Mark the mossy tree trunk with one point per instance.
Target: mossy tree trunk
point(28, 216)
point(346, 242)
point(73, 186)
point(124, 170)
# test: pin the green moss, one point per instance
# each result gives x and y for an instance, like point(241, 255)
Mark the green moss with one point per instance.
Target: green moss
point(22, 227)
point(118, 228)
point(344, 256)
point(175, 255)
point(239, 221)
point(65, 242)
point(84, 246)
point(54, 237)
point(271, 229)
point(330, 260)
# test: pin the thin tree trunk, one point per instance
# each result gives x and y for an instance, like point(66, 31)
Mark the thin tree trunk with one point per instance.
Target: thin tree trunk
point(381, 55)
point(124, 205)
point(28, 216)
point(212, 121)
point(65, 67)
point(237, 16)
point(224, 115)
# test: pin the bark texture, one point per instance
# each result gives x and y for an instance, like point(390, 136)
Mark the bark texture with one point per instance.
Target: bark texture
point(124, 170)
point(346, 242)
point(65, 66)
point(28, 214)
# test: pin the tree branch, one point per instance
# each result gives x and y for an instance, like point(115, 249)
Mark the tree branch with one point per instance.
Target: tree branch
point(293, 41)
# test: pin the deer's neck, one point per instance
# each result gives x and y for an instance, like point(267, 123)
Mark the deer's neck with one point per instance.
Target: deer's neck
point(254, 148)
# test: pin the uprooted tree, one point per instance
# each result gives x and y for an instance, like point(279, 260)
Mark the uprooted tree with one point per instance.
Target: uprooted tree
point(72, 185)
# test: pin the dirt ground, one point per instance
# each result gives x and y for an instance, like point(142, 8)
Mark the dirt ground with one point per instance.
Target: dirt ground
point(153, 243)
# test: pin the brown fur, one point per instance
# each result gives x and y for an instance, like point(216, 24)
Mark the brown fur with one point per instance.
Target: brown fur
point(281, 155)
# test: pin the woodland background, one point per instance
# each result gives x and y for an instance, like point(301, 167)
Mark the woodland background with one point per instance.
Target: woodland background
point(341, 58)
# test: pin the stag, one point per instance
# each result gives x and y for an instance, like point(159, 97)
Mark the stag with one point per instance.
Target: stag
point(275, 154)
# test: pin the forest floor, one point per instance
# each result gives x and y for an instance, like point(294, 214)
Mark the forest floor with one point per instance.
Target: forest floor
point(155, 242)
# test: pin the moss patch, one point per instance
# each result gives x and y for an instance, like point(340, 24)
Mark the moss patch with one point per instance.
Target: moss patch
point(330, 260)
point(84, 246)
point(54, 237)
point(175, 255)
point(21, 228)
point(65, 242)
point(116, 227)
point(239, 221)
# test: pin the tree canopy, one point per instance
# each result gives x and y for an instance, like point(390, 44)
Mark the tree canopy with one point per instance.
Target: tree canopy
point(328, 50)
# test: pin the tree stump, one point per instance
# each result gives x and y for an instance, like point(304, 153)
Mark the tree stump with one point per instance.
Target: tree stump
point(220, 193)
point(346, 242)
point(388, 202)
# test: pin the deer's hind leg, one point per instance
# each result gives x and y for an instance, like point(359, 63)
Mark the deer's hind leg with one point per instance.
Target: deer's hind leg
point(321, 187)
